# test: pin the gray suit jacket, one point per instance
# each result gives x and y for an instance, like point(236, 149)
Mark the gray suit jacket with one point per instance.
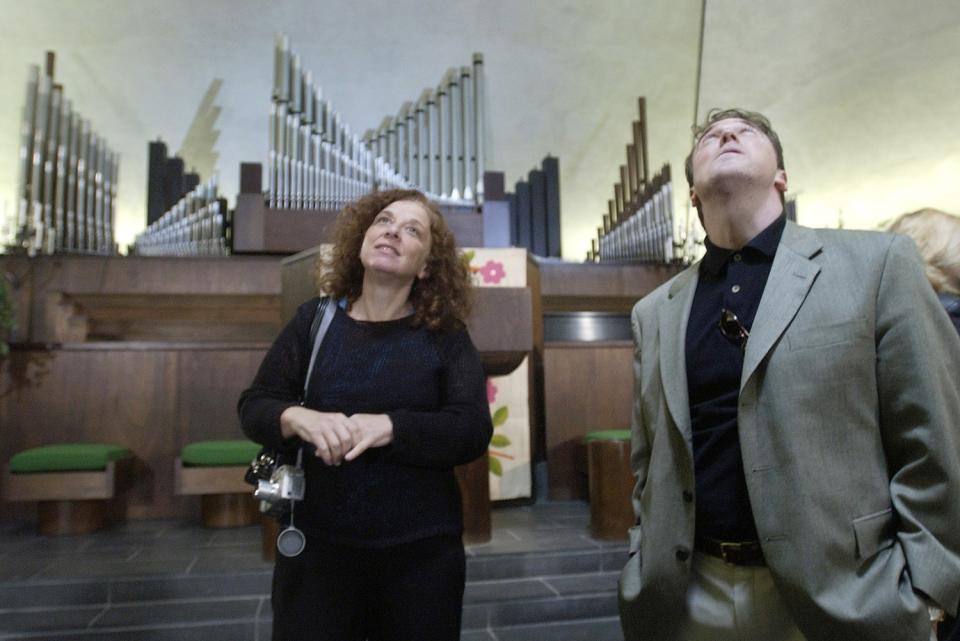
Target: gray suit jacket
point(848, 423)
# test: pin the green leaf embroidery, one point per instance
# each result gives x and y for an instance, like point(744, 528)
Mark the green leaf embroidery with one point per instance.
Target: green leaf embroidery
point(499, 440)
point(500, 416)
point(495, 467)
point(468, 256)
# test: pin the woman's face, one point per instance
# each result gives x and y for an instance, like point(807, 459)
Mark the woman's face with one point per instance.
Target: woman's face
point(398, 241)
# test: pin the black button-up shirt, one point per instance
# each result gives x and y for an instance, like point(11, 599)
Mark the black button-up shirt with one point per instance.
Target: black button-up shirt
point(732, 280)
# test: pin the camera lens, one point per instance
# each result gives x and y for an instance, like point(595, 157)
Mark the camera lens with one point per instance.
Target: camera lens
point(267, 491)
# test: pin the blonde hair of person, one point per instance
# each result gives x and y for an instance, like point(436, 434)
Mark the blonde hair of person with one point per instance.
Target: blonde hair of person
point(937, 235)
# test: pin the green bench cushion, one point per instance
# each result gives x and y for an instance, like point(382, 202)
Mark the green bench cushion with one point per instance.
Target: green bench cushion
point(202, 453)
point(72, 457)
point(608, 435)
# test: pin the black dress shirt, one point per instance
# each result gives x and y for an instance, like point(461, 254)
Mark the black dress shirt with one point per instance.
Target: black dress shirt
point(732, 280)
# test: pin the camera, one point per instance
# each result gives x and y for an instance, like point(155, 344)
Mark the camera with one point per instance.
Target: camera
point(285, 484)
point(275, 484)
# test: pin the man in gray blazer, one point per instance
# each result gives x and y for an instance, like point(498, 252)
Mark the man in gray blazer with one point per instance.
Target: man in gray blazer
point(796, 424)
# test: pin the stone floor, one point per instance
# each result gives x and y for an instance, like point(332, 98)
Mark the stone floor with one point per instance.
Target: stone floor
point(541, 577)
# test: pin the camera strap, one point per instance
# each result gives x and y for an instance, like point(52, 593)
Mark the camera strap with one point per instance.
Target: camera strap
point(291, 541)
point(318, 329)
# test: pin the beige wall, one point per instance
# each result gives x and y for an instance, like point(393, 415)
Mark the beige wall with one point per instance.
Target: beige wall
point(865, 93)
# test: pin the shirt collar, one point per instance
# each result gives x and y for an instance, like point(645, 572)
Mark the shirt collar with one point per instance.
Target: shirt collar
point(763, 246)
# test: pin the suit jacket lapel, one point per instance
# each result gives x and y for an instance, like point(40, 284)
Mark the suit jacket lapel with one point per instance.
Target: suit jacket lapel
point(672, 316)
point(791, 276)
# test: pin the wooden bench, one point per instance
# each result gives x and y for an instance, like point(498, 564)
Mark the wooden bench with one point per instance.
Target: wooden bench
point(78, 486)
point(611, 484)
point(214, 470)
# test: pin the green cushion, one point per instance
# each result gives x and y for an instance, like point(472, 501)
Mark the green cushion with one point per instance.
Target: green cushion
point(72, 457)
point(239, 452)
point(608, 435)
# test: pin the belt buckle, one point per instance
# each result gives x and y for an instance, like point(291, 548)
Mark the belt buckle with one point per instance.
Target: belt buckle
point(729, 548)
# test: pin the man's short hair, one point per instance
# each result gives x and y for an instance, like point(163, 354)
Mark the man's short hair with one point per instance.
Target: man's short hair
point(758, 120)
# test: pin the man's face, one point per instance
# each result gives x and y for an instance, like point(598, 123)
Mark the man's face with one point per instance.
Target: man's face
point(734, 150)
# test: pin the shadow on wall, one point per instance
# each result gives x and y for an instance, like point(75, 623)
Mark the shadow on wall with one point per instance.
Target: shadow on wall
point(198, 148)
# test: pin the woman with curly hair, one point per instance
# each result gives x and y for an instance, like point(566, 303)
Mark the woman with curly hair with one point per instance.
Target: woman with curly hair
point(396, 399)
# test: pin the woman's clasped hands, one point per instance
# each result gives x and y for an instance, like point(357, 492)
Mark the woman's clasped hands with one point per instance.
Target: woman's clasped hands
point(337, 437)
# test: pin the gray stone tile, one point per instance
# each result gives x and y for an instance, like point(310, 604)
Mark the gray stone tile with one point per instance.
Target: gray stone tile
point(195, 632)
point(235, 536)
point(148, 554)
point(475, 616)
point(602, 629)
point(614, 558)
point(190, 587)
point(32, 543)
point(516, 517)
point(115, 550)
point(233, 564)
point(264, 630)
point(179, 612)
point(22, 568)
point(584, 583)
point(483, 591)
point(161, 576)
point(86, 567)
point(520, 565)
point(47, 620)
point(555, 609)
point(534, 544)
point(48, 594)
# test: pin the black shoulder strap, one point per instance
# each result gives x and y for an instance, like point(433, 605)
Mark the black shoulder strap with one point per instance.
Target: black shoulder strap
point(318, 329)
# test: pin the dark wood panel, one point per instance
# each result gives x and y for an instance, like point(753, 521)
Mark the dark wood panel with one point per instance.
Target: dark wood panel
point(588, 387)
point(150, 400)
point(538, 443)
point(611, 487)
point(261, 229)
point(52, 292)
point(568, 286)
point(297, 280)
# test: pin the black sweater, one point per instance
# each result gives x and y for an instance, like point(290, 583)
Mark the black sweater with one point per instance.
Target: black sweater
point(432, 386)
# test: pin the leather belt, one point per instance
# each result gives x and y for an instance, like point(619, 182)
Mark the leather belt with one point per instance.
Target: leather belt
point(738, 553)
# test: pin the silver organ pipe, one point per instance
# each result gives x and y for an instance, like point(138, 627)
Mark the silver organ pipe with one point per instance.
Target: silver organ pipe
point(66, 187)
point(434, 143)
point(640, 225)
point(198, 225)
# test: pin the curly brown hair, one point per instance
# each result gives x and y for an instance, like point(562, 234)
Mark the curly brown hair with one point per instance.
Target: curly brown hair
point(441, 300)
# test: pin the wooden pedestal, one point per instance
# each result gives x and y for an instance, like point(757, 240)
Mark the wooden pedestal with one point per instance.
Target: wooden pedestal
point(226, 499)
point(474, 481)
point(73, 502)
point(611, 484)
point(269, 529)
point(55, 518)
point(229, 510)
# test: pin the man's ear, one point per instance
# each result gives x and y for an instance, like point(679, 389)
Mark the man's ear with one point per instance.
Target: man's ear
point(694, 198)
point(780, 181)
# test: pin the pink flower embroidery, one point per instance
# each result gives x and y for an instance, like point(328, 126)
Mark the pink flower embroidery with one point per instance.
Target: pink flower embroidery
point(492, 272)
point(491, 391)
